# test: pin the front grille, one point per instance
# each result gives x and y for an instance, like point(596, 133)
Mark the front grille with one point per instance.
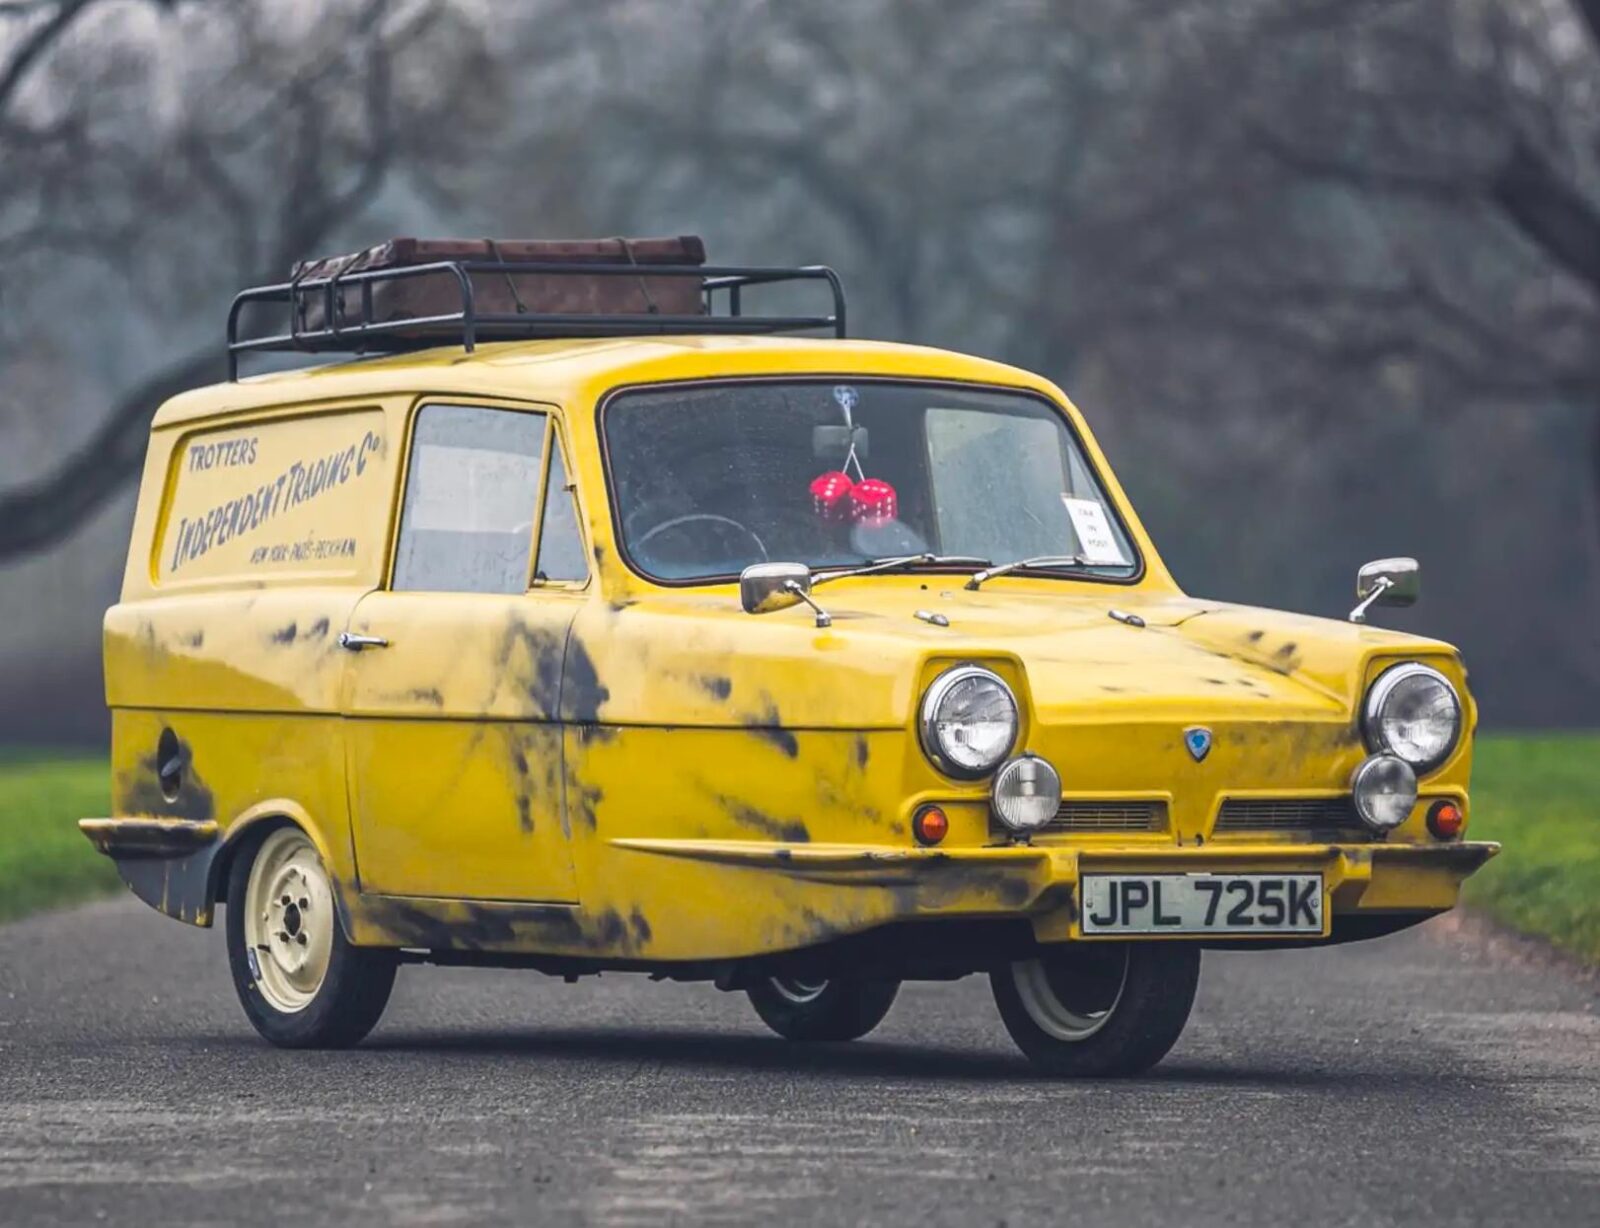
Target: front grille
point(1110, 816)
point(1286, 814)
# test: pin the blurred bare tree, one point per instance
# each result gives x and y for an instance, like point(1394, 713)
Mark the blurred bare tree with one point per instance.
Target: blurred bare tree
point(1401, 229)
point(186, 150)
point(1303, 259)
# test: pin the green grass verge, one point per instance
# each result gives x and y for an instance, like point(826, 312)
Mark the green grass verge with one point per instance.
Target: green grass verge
point(1540, 796)
point(44, 859)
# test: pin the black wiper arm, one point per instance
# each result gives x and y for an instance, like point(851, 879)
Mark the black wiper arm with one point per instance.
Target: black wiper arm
point(901, 562)
point(1042, 561)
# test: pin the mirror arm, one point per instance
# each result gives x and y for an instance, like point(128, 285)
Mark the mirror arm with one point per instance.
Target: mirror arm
point(1380, 586)
point(824, 619)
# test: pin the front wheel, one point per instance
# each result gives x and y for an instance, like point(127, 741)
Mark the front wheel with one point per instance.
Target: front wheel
point(1099, 1010)
point(300, 981)
point(818, 1009)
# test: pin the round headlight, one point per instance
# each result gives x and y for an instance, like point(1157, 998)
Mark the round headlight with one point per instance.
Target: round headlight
point(1412, 711)
point(969, 721)
point(1026, 793)
point(1384, 790)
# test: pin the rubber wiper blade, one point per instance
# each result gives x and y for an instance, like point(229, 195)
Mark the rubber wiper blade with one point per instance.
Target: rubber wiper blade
point(930, 560)
point(901, 562)
point(1041, 562)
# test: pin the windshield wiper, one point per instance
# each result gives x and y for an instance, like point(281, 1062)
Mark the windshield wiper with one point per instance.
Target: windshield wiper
point(1043, 561)
point(901, 562)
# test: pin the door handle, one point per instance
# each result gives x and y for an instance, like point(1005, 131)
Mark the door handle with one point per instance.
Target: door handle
point(355, 643)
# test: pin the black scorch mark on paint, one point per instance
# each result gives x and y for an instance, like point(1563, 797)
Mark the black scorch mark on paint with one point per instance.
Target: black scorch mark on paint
point(138, 791)
point(519, 762)
point(541, 681)
point(792, 831)
point(716, 685)
point(581, 690)
point(768, 725)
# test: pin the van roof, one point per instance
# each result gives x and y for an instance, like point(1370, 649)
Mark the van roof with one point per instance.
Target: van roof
point(572, 368)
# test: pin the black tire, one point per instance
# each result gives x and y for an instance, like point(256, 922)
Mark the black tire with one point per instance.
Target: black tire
point(1132, 1012)
point(829, 1010)
point(354, 989)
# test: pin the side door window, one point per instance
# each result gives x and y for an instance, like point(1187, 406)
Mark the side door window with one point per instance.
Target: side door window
point(561, 553)
point(471, 501)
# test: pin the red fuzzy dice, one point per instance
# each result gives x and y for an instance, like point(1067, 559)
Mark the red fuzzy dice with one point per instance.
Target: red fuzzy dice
point(830, 495)
point(873, 501)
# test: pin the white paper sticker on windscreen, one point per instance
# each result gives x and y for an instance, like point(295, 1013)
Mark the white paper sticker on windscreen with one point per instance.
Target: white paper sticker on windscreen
point(1096, 541)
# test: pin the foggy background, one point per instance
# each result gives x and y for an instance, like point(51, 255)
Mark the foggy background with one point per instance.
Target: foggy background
point(1324, 275)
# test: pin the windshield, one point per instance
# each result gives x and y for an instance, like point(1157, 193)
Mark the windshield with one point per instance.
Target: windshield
point(712, 477)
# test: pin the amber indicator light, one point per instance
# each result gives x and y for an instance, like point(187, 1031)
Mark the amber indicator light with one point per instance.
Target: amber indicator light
point(930, 825)
point(1445, 820)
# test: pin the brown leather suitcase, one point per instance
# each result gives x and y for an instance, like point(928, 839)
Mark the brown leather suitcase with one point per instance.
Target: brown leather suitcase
point(505, 290)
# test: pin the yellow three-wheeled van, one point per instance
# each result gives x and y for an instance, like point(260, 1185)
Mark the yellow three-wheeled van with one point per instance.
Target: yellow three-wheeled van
point(589, 621)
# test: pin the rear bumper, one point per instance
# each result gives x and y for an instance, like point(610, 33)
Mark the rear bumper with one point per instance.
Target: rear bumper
point(163, 838)
point(1042, 883)
point(167, 863)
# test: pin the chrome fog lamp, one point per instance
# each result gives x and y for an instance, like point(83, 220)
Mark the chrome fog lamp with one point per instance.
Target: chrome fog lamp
point(968, 721)
point(1026, 793)
point(1384, 789)
point(1412, 711)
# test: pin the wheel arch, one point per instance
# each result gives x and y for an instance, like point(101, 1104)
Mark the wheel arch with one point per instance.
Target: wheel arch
point(250, 826)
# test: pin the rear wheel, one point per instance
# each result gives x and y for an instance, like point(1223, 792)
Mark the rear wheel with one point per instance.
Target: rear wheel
point(1099, 1010)
point(300, 981)
point(820, 1009)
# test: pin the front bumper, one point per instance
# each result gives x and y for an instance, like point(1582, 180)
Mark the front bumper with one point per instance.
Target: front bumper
point(1042, 883)
point(733, 907)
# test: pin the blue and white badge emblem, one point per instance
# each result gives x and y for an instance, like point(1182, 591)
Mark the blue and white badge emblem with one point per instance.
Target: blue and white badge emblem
point(1197, 740)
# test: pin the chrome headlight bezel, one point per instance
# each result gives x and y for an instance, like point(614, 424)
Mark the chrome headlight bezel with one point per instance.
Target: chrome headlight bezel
point(928, 718)
point(1039, 781)
point(1363, 794)
point(1382, 690)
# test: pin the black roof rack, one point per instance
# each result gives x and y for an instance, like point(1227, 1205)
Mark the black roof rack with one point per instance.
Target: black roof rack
point(343, 333)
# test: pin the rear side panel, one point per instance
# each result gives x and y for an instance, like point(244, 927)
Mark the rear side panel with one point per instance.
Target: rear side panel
point(254, 540)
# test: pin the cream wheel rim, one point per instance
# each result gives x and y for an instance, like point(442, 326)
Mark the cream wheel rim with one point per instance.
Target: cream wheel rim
point(1072, 1003)
point(799, 990)
point(288, 922)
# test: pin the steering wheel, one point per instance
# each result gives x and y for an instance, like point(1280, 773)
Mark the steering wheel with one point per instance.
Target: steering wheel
point(705, 516)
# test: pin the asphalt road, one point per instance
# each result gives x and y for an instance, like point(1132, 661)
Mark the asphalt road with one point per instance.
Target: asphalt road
point(1418, 1079)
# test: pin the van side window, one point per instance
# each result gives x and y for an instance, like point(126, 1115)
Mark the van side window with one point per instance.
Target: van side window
point(471, 493)
point(560, 544)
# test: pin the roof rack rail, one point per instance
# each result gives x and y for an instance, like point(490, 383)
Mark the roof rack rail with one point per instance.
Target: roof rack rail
point(339, 333)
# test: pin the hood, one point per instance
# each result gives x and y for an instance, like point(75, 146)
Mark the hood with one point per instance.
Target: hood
point(695, 658)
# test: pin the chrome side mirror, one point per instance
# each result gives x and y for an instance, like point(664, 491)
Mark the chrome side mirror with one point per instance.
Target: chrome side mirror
point(765, 587)
point(1396, 582)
